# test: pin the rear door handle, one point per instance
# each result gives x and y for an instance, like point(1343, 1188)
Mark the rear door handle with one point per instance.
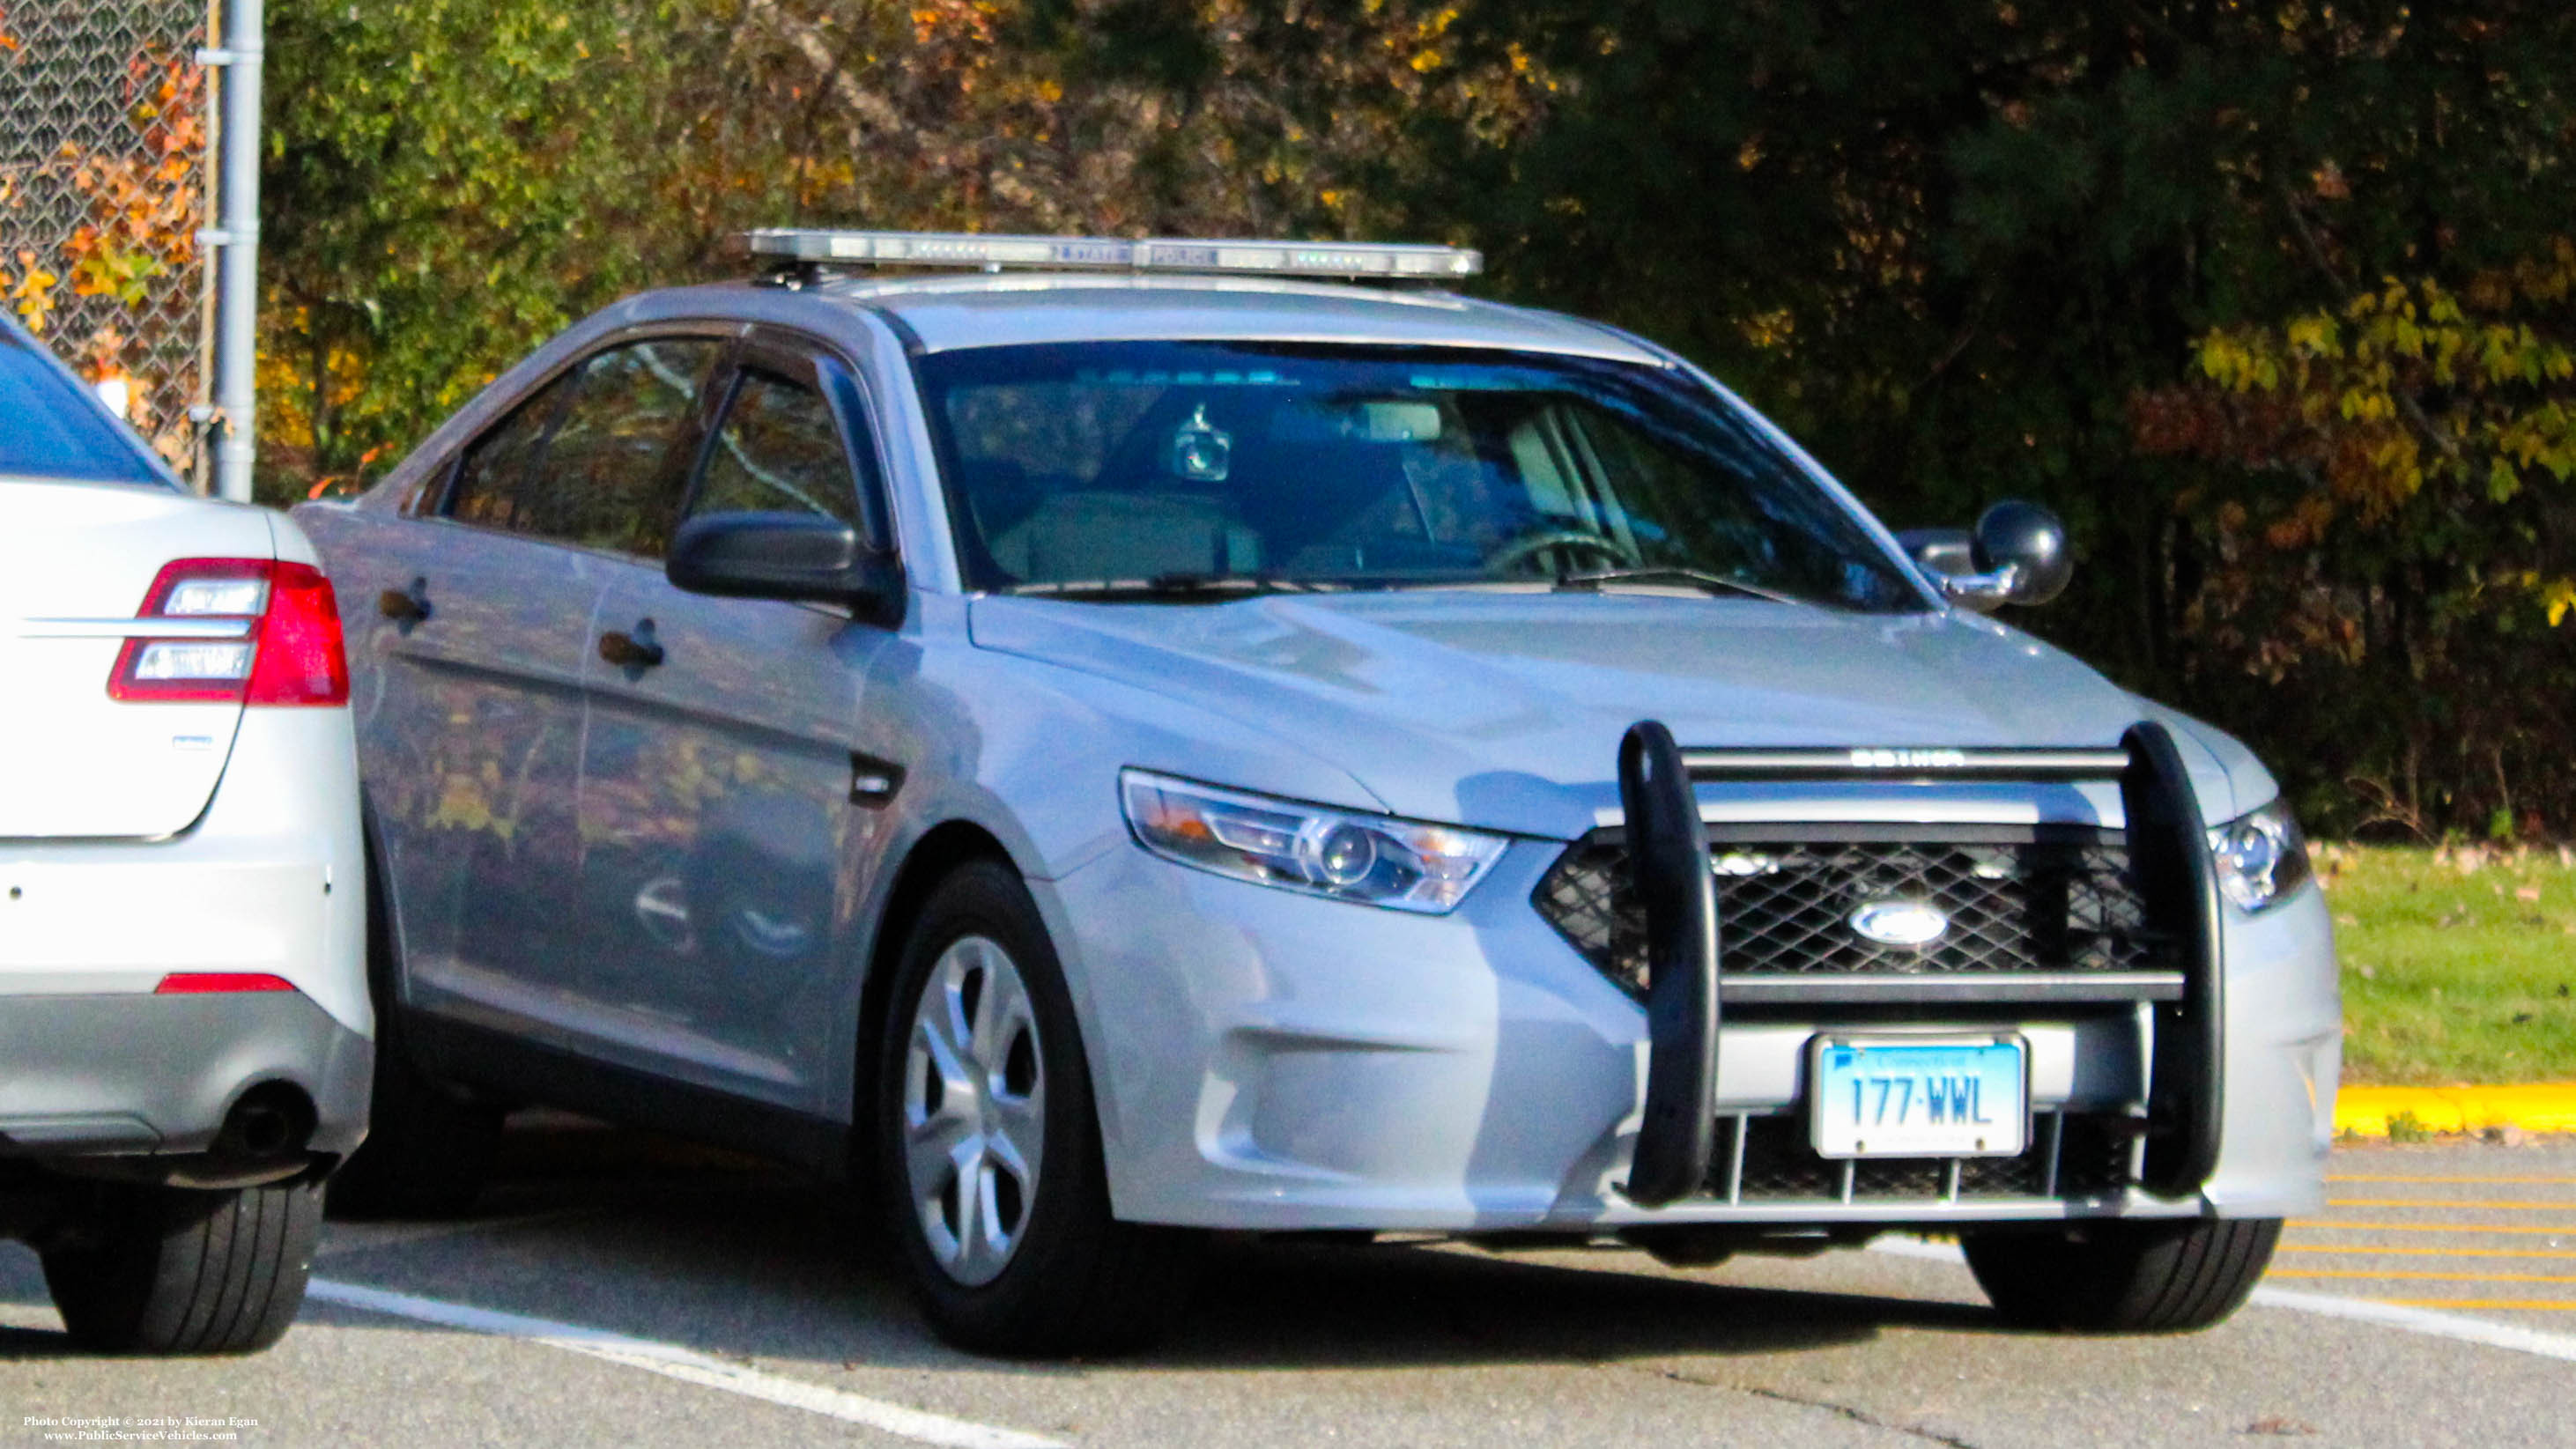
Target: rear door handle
point(637, 651)
point(405, 606)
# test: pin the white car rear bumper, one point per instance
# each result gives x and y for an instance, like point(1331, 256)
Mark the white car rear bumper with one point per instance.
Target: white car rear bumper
point(270, 880)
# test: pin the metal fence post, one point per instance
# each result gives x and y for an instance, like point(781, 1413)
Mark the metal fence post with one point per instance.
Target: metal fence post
point(237, 252)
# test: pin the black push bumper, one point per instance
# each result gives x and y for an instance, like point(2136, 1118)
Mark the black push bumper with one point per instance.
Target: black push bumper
point(1670, 851)
point(2169, 859)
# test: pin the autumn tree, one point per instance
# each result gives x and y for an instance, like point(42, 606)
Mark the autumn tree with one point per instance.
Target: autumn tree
point(450, 181)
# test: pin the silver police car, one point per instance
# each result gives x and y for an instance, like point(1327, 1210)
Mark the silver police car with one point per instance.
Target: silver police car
point(1109, 740)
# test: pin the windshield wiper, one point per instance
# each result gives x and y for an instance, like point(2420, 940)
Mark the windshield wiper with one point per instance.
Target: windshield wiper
point(1591, 582)
point(1176, 586)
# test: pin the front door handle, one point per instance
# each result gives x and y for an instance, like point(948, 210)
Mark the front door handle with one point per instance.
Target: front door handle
point(637, 650)
point(405, 606)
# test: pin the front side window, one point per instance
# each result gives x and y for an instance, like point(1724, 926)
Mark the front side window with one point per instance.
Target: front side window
point(1085, 467)
point(53, 430)
point(777, 451)
point(607, 476)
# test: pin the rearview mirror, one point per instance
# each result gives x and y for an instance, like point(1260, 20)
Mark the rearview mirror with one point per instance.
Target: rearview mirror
point(791, 556)
point(2017, 554)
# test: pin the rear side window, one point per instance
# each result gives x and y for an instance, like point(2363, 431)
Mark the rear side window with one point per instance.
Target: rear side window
point(778, 451)
point(51, 428)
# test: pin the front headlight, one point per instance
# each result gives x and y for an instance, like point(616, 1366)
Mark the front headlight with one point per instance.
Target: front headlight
point(2261, 857)
point(1371, 859)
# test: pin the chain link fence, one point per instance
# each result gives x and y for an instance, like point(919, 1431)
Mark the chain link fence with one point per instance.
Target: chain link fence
point(104, 185)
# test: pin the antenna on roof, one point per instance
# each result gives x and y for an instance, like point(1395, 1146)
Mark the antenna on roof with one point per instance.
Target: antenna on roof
point(803, 254)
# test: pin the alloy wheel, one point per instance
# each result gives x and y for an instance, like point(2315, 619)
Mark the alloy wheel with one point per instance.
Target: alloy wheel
point(974, 1110)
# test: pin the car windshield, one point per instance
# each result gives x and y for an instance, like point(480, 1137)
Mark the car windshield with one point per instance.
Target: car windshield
point(1206, 470)
point(50, 428)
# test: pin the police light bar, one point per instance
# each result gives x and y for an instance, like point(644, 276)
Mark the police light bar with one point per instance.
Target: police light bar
point(1108, 254)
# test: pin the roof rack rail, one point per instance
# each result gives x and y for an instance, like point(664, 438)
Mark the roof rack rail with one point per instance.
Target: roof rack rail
point(814, 250)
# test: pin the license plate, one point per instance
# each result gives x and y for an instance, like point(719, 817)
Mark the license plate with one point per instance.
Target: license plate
point(1912, 1097)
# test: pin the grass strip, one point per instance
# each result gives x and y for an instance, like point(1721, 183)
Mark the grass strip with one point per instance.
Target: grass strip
point(2459, 962)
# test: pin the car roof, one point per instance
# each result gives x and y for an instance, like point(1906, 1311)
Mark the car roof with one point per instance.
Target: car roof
point(953, 311)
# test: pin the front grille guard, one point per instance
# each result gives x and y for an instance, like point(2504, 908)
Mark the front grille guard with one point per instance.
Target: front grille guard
point(2015, 897)
point(1765, 1159)
point(1669, 853)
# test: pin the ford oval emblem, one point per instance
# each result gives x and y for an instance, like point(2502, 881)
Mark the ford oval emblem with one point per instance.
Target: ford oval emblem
point(1900, 923)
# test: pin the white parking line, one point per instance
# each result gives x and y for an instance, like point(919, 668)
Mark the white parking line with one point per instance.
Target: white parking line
point(2326, 1305)
point(686, 1365)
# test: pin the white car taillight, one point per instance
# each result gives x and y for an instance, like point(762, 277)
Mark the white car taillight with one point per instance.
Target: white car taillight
point(249, 631)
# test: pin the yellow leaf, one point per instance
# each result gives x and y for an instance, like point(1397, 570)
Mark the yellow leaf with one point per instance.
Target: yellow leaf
point(2559, 597)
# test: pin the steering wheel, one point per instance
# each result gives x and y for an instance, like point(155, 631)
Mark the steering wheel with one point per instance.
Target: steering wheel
point(1509, 555)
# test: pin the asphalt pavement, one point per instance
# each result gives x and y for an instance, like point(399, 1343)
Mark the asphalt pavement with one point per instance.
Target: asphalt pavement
point(2490, 1232)
point(617, 1289)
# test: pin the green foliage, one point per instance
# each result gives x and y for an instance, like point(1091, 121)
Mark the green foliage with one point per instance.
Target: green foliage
point(443, 190)
point(2395, 538)
point(451, 181)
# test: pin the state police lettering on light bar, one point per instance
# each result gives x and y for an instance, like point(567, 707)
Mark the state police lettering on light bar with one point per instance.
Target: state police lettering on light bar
point(1909, 759)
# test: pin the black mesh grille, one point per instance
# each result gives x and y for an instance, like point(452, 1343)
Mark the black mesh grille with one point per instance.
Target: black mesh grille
point(1785, 908)
point(2023, 1176)
point(1778, 1163)
point(2092, 1159)
point(1781, 1166)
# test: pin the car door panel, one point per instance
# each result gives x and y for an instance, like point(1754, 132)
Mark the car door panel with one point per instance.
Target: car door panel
point(483, 612)
point(469, 717)
point(716, 808)
point(481, 749)
point(716, 799)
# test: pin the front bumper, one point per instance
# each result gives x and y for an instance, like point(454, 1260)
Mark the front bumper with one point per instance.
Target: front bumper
point(1271, 1061)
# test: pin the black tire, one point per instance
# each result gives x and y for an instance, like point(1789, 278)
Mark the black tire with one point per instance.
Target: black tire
point(1078, 1281)
point(2124, 1277)
point(161, 1270)
point(428, 1149)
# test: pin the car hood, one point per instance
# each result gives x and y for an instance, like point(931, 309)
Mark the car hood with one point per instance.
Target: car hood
point(1506, 709)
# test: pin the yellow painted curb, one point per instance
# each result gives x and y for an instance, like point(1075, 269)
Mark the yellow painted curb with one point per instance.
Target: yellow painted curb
point(2532, 1106)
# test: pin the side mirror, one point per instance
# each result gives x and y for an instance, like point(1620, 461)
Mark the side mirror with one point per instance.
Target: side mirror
point(2017, 554)
point(792, 556)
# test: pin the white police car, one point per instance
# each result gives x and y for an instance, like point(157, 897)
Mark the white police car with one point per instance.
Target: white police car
point(185, 1035)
